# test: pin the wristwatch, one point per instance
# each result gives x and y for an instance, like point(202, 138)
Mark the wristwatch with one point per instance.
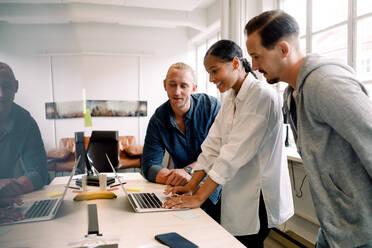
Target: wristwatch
point(189, 170)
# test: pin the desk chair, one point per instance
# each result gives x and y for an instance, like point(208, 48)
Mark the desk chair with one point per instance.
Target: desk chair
point(130, 154)
point(62, 159)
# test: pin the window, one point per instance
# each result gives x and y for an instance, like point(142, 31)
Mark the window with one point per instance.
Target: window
point(297, 9)
point(202, 77)
point(364, 7)
point(338, 29)
point(331, 43)
point(201, 74)
point(211, 88)
point(364, 51)
point(326, 14)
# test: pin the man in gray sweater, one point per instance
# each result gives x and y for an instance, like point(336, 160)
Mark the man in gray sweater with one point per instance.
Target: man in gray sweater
point(331, 118)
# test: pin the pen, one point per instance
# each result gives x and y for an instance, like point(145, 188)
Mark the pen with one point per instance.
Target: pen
point(73, 187)
point(117, 184)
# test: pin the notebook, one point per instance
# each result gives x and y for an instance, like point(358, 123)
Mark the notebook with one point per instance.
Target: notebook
point(145, 202)
point(44, 208)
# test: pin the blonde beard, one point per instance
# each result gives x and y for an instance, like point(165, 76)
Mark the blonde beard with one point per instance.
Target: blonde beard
point(181, 106)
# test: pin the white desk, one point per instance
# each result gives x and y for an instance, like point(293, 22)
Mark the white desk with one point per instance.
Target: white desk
point(117, 221)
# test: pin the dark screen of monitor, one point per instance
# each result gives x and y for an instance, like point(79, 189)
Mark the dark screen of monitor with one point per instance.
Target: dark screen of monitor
point(100, 144)
point(80, 152)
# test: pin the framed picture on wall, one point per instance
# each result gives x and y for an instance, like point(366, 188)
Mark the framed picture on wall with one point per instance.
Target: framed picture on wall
point(98, 108)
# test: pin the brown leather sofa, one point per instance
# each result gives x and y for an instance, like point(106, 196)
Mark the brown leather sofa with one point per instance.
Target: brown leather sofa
point(62, 159)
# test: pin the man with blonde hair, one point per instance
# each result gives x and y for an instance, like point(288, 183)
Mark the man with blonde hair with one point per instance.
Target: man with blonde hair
point(179, 126)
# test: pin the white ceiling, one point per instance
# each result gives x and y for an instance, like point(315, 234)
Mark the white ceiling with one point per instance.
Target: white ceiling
point(182, 5)
point(192, 14)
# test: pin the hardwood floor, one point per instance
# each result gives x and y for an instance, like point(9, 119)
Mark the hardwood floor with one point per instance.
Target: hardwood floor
point(272, 243)
point(275, 240)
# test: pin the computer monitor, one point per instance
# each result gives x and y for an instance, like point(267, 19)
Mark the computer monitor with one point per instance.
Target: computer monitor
point(80, 152)
point(100, 144)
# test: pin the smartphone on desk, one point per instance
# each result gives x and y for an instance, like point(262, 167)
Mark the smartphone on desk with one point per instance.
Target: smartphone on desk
point(174, 240)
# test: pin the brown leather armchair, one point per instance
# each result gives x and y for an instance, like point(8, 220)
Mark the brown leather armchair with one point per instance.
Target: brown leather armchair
point(129, 153)
point(62, 159)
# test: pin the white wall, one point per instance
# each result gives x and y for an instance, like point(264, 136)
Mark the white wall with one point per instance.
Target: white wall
point(111, 62)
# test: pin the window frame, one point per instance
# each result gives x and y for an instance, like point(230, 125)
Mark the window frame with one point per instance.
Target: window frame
point(351, 23)
point(216, 36)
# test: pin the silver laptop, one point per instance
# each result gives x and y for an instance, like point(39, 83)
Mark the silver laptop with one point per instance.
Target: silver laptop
point(42, 209)
point(145, 202)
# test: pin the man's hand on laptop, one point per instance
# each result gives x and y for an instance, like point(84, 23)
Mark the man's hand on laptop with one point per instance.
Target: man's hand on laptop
point(162, 175)
point(9, 213)
point(8, 202)
point(178, 177)
point(12, 186)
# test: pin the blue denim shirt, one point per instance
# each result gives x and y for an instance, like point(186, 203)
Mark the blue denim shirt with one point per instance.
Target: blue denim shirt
point(22, 140)
point(163, 134)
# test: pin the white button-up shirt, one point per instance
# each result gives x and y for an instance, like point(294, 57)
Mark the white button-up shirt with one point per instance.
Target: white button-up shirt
point(244, 152)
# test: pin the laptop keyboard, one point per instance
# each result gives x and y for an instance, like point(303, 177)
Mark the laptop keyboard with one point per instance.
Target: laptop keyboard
point(147, 200)
point(41, 208)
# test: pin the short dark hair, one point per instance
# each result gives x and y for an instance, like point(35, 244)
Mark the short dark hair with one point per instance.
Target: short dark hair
point(272, 26)
point(226, 50)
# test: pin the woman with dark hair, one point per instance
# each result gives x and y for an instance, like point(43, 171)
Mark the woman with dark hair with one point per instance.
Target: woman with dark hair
point(243, 152)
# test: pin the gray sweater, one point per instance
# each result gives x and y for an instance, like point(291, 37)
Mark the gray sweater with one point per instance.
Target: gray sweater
point(334, 138)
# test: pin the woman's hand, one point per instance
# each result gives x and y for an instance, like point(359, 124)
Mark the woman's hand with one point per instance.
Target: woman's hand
point(181, 197)
point(183, 201)
point(190, 198)
point(178, 190)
